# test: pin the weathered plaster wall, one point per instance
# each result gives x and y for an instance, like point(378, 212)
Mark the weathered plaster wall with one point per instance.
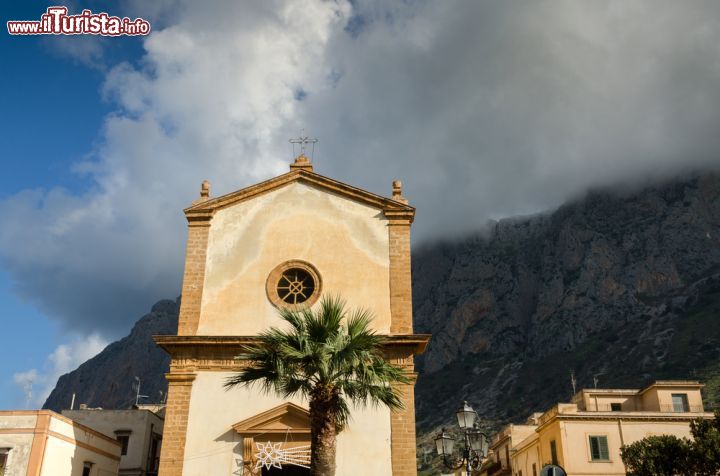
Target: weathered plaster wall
point(138, 422)
point(13, 435)
point(19, 454)
point(346, 241)
point(17, 421)
point(363, 447)
point(64, 457)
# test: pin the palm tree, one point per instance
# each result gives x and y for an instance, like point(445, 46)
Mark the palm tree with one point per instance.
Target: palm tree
point(329, 356)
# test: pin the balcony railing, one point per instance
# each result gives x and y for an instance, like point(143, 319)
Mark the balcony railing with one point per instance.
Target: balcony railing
point(681, 409)
point(497, 469)
point(606, 407)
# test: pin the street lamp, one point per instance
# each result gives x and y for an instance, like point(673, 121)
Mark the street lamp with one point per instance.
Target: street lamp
point(475, 442)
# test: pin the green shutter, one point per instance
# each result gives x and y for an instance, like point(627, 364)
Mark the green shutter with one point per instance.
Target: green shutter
point(604, 453)
point(599, 448)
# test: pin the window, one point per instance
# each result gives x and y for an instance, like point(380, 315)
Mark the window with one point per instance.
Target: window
point(680, 402)
point(616, 407)
point(154, 453)
point(123, 437)
point(87, 468)
point(534, 469)
point(124, 440)
point(599, 448)
point(293, 284)
point(553, 452)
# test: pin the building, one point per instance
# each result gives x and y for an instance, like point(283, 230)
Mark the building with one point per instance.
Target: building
point(285, 242)
point(44, 443)
point(585, 436)
point(502, 447)
point(138, 430)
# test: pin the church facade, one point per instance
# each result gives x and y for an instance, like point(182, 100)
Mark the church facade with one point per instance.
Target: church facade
point(285, 242)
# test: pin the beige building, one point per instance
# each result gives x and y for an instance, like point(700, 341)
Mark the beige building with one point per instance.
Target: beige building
point(287, 241)
point(43, 443)
point(585, 436)
point(139, 432)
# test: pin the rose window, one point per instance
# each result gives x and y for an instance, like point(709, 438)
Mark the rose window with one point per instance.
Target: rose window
point(295, 286)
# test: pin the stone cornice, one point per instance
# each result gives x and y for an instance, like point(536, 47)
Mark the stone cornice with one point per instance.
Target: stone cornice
point(192, 353)
point(417, 342)
point(626, 416)
point(205, 209)
point(180, 378)
point(400, 217)
point(199, 218)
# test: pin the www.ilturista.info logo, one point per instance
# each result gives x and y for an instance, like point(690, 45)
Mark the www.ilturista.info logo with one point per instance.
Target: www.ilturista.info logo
point(56, 21)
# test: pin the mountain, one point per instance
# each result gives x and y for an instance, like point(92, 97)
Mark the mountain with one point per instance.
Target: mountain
point(107, 379)
point(620, 286)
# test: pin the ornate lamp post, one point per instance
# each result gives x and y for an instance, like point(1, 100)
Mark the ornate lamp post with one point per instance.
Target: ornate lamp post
point(475, 442)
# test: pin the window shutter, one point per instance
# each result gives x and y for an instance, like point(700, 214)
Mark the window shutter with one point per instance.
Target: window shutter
point(603, 445)
point(594, 448)
point(599, 448)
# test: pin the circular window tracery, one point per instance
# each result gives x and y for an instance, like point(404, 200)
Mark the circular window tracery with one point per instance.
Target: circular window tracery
point(293, 284)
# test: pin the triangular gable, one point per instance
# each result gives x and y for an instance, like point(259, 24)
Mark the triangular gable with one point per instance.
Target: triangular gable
point(282, 419)
point(207, 207)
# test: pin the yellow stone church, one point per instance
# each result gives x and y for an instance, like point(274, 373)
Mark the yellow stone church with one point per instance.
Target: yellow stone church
point(285, 242)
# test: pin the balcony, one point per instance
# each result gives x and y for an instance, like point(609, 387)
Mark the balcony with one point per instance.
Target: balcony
point(681, 408)
point(668, 408)
point(496, 469)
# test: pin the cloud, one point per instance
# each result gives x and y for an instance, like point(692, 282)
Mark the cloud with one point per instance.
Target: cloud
point(37, 385)
point(213, 101)
point(87, 50)
point(483, 109)
point(489, 109)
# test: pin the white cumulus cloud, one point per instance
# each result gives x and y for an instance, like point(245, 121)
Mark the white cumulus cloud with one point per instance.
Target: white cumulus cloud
point(36, 384)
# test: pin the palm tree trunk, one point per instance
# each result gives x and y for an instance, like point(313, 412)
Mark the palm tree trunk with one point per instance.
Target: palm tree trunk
point(323, 417)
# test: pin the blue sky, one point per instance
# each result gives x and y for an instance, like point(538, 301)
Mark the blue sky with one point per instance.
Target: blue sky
point(483, 109)
point(52, 114)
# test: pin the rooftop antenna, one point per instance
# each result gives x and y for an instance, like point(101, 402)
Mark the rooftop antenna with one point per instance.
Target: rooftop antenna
point(136, 387)
point(303, 140)
point(573, 381)
point(595, 378)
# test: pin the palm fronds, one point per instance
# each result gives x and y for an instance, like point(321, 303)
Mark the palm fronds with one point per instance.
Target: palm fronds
point(331, 348)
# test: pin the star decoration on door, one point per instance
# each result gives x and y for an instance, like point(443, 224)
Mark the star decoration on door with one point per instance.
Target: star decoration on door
point(268, 455)
point(271, 455)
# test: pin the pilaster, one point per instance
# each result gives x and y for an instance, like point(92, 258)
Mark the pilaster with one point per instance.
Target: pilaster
point(194, 277)
point(172, 453)
point(400, 278)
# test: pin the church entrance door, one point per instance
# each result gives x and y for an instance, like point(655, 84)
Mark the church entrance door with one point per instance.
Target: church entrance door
point(287, 470)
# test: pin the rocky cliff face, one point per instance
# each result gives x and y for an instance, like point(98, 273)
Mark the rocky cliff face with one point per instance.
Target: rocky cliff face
point(619, 287)
point(106, 379)
point(624, 288)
